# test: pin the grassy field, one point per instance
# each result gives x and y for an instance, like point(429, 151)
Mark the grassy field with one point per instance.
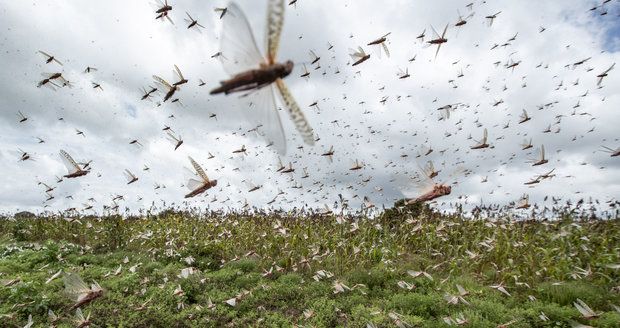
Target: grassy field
point(278, 271)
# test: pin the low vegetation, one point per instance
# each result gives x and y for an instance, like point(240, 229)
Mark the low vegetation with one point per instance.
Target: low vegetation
point(401, 269)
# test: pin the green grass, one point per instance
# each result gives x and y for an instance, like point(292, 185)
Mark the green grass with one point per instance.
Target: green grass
point(545, 266)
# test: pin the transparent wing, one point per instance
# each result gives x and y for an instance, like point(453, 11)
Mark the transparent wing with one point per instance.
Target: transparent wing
point(354, 54)
point(192, 180)
point(128, 175)
point(357, 54)
point(75, 287)
point(44, 53)
point(157, 4)
point(444, 31)
point(172, 138)
point(177, 73)
point(454, 175)
point(193, 184)
point(297, 116)
point(263, 111)
point(526, 143)
point(412, 187)
point(237, 43)
point(275, 21)
point(436, 35)
point(95, 286)
point(385, 48)
point(313, 56)
point(250, 185)
point(377, 50)
point(79, 316)
point(199, 169)
point(71, 165)
point(429, 169)
point(162, 81)
point(422, 181)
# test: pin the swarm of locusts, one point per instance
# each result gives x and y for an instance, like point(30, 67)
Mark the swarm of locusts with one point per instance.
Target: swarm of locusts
point(409, 266)
point(555, 263)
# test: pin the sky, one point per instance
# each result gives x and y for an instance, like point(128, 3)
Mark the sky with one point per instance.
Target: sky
point(367, 113)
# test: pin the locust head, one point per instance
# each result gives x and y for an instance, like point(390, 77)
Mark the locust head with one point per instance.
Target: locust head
point(443, 189)
point(286, 68)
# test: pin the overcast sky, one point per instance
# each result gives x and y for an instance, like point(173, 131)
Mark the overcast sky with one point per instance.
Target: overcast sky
point(127, 45)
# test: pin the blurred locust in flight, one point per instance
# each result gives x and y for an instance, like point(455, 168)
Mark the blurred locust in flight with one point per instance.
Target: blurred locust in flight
point(613, 152)
point(439, 40)
point(257, 75)
point(74, 169)
point(77, 290)
point(425, 188)
point(381, 41)
point(198, 182)
point(253, 73)
point(358, 55)
point(49, 58)
point(604, 74)
point(191, 22)
point(162, 10)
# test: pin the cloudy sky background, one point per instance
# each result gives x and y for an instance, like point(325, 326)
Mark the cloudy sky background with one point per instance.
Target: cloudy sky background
point(127, 45)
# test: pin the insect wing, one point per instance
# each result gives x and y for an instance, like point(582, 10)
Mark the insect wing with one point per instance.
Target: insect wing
point(357, 54)
point(443, 35)
point(45, 53)
point(354, 54)
point(297, 116)
point(193, 184)
point(275, 21)
point(192, 180)
point(157, 4)
point(265, 112)
point(412, 187)
point(385, 48)
point(177, 73)
point(71, 165)
point(162, 82)
point(199, 170)
point(172, 138)
point(130, 176)
point(237, 44)
point(79, 316)
point(75, 287)
point(436, 35)
point(377, 50)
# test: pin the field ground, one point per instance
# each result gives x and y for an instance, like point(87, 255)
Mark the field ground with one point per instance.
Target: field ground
point(312, 272)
